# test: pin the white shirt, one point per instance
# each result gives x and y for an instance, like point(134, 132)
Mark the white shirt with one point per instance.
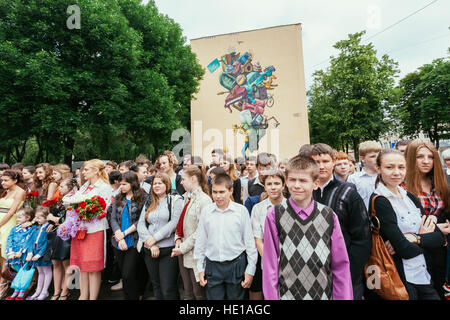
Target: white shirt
point(258, 216)
point(365, 184)
point(224, 235)
point(146, 186)
point(409, 221)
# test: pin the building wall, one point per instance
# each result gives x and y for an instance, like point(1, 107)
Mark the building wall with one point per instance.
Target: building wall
point(212, 122)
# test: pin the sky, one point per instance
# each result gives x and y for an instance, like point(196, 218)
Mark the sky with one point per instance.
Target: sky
point(412, 42)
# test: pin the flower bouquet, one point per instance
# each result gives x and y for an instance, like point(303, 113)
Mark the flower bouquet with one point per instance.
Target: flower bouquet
point(32, 199)
point(78, 215)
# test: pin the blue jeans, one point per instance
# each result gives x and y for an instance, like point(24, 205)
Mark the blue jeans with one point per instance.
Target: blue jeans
point(421, 292)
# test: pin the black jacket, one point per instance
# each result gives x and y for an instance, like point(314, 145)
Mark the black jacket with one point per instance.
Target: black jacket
point(390, 231)
point(354, 222)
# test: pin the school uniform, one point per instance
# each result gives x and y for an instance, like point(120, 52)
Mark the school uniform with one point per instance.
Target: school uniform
point(224, 250)
point(258, 218)
point(349, 207)
point(305, 256)
point(399, 215)
point(365, 184)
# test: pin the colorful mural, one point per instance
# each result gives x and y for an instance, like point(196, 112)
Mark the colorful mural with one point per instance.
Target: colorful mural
point(249, 88)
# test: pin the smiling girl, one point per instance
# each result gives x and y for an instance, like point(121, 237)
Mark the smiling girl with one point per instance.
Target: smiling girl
point(425, 179)
point(404, 225)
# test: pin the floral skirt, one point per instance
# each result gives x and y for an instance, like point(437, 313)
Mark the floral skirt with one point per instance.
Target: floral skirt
point(88, 254)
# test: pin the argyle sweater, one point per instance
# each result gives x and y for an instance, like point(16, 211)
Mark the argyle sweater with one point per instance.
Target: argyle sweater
point(305, 253)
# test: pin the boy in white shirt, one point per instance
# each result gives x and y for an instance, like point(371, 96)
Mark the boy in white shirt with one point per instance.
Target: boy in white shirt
point(225, 248)
point(365, 179)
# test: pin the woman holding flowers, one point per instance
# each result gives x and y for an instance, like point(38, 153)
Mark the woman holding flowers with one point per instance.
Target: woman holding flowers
point(87, 225)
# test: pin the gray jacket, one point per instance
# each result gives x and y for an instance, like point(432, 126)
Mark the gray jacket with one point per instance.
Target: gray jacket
point(158, 224)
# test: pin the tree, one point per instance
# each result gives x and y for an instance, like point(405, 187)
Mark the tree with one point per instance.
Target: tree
point(126, 73)
point(425, 101)
point(348, 101)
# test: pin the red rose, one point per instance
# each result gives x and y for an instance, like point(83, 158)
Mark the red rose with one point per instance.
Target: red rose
point(82, 204)
point(77, 210)
point(81, 217)
point(34, 194)
point(102, 215)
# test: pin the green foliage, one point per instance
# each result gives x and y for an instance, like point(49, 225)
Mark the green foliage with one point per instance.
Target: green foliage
point(425, 101)
point(348, 101)
point(121, 83)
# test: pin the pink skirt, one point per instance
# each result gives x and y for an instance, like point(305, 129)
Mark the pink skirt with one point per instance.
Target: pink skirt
point(88, 254)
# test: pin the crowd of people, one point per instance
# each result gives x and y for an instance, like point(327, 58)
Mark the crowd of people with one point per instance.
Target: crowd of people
point(235, 229)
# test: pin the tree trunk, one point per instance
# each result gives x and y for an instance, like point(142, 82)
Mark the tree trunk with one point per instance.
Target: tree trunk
point(21, 153)
point(69, 144)
point(8, 155)
point(436, 135)
point(355, 150)
point(39, 155)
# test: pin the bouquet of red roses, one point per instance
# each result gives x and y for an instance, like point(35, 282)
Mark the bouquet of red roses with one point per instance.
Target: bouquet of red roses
point(32, 199)
point(91, 209)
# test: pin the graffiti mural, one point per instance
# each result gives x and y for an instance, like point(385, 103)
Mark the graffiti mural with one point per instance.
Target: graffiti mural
point(249, 91)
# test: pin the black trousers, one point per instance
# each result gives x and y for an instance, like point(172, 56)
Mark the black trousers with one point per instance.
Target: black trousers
point(133, 280)
point(421, 292)
point(112, 270)
point(224, 280)
point(163, 272)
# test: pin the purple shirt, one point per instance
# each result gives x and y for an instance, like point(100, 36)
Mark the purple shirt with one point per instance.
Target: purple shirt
point(340, 265)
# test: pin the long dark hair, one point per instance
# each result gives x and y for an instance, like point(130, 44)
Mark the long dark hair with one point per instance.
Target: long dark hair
point(13, 175)
point(138, 194)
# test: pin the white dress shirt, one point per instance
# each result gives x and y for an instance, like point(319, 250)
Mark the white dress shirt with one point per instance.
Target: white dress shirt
point(224, 235)
point(258, 216)
point(409, 221)
point(365, 184)
point(146, 186)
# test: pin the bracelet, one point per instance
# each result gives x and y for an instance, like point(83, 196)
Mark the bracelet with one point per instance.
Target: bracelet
point(418, 238)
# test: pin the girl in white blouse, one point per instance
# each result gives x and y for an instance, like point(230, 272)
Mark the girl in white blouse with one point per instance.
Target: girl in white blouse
point(404, 224)
point(89, 253)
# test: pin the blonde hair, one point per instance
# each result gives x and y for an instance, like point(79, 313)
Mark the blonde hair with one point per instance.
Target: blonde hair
point(98, 164)
point(369, 146)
